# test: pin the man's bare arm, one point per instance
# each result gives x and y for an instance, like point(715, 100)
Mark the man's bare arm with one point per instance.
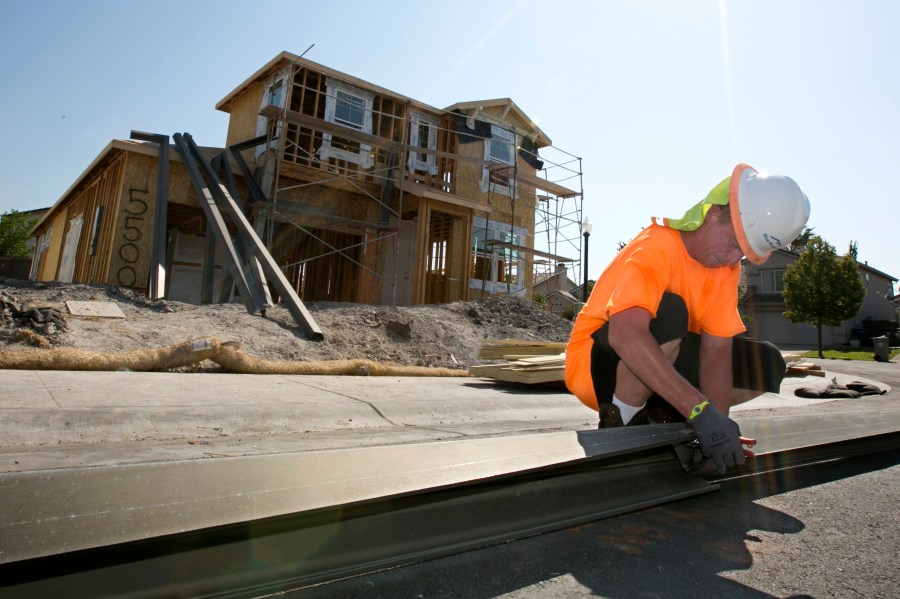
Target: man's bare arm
point(629, 336)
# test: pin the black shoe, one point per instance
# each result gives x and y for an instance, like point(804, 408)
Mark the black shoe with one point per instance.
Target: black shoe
point(658, 411)
point(610, 417)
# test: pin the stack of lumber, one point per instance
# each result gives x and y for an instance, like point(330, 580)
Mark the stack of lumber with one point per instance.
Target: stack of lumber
point(804, 369)
point(796, 366)
point(534, 362)
point(507, 349)
point(527, 362)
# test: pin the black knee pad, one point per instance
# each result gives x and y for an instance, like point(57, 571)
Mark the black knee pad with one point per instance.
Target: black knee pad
point(671, 320)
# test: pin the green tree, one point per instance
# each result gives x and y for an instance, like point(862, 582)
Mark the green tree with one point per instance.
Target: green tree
point(14, 228)
point(799, 244)
point(822, 288)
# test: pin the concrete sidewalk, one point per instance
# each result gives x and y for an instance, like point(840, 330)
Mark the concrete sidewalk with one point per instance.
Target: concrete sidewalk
point(59, 419)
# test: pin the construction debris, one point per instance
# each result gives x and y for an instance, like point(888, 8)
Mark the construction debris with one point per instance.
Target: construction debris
point(45, 320)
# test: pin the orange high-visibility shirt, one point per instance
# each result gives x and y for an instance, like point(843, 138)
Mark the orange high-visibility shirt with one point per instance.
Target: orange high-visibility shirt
point(654, 262)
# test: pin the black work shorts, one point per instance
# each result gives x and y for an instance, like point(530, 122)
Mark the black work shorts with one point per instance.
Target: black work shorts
point(757, 365)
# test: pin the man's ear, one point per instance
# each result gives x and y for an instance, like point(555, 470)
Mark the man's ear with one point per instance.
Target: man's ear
point(717, 213)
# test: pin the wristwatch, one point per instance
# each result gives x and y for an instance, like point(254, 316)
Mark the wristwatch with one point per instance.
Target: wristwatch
point(697, 410)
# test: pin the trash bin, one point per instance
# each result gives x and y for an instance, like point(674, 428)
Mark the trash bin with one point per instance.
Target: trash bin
point(882, 348)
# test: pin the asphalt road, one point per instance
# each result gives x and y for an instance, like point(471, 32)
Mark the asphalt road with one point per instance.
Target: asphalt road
point(829, 530)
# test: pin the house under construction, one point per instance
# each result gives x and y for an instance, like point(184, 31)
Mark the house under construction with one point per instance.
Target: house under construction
point(359, 194)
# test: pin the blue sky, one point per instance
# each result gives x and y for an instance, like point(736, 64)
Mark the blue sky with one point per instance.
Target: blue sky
point(659, 98)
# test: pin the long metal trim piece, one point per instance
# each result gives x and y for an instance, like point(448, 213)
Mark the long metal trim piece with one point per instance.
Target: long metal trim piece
point(120, 504)
point(254, 558)
point(801, 456)
point(539, 483)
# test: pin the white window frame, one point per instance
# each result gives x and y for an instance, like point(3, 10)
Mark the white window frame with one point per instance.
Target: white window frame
point(502, 232)
point(420, 161)
point(499, 136)
point(364, 157)
point(274, 94)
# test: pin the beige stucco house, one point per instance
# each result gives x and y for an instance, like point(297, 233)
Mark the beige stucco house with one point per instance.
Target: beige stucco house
point(764, 307)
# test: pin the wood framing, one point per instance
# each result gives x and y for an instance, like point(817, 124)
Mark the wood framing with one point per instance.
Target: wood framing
point(366, 196)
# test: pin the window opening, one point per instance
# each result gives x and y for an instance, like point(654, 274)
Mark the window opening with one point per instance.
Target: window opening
point(772, 281)
point(423, 133)
point(438, 262)
point(496, 267)
point(276, 93)
point(95, 237)
point(499, 149)
point(350, 107)
point(500, 145)
point(350, 110)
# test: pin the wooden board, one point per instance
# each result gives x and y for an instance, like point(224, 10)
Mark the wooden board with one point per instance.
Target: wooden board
point(526, 362)
point(96, 309)
point(531, 376)
point(494, 349)
point(804, 369)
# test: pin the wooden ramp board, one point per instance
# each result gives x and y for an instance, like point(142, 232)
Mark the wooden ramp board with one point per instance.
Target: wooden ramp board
point(546, 374)
point(804, 369)
point(96, 309)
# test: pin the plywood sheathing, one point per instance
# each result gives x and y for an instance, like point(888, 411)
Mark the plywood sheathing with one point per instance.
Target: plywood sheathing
point(96, 189)
point(129, 263)
point(50, 260)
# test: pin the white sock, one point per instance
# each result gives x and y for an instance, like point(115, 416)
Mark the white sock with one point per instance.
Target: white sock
point(627, 412)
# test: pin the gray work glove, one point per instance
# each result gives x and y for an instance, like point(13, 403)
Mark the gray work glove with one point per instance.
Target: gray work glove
point(718, 435)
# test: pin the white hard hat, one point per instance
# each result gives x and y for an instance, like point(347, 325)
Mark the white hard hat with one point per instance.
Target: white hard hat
point(768, 211)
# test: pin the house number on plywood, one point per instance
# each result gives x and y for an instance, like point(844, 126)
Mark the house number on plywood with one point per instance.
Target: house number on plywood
point(129, 251)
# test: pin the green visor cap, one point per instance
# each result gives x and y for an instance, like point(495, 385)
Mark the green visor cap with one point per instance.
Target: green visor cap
point(694, 217)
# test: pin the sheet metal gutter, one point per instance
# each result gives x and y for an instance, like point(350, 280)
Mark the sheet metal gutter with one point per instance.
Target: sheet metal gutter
point(55, 511)
point(256, 525)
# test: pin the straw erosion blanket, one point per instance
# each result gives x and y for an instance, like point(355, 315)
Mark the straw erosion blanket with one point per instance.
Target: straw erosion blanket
point(444, 336)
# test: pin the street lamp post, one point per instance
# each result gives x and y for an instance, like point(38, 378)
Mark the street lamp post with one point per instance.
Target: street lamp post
point(586, 231)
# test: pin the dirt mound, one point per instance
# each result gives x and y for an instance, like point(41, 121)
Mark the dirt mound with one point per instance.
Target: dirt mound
point(441, 335)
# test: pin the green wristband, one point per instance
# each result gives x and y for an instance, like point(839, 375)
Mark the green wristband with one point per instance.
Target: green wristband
point(697, 410)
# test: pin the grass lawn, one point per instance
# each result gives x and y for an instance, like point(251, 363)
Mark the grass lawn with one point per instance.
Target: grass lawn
point(849, 354)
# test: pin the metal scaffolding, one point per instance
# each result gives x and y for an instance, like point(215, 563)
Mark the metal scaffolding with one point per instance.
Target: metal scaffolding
point(290, 140)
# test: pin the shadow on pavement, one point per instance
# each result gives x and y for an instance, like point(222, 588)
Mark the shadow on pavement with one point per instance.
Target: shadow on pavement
point(675, 550)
